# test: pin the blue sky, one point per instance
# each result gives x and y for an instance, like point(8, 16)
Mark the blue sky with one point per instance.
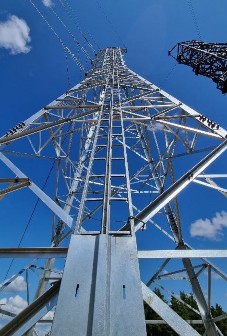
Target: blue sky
point(34, 72)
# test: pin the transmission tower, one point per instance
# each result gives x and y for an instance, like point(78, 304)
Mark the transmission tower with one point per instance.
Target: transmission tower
point(123, 150)
point(206, 59)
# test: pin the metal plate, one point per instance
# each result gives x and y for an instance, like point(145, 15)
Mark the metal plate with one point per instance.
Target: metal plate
point(100, 292)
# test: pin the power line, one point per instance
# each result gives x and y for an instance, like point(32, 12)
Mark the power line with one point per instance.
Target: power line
point(71, 34)
point(30, 219)
point(110, 23)
point(67, 71)
point(64, 46)
point(69, 10)
point(192, 10)
point(169, 73)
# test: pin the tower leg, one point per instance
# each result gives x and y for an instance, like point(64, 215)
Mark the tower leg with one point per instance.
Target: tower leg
point(100, 292)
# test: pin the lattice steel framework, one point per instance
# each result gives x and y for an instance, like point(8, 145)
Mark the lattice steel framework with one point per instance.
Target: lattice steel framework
point(206, 59)
point(123, 150)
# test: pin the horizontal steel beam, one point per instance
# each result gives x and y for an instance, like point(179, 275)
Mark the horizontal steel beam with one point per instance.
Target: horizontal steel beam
point(65, 217)
point(12, 188)
point(25, 132)
point(215, 319)
point(13, 180)
point(7, 313)
point(33, 252)
point(164, 322)
point(182, 254)
point(71, 107)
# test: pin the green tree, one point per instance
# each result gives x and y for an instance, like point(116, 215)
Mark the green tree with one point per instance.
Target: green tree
point(218, 311)
point(183, 311)
point(157, 329)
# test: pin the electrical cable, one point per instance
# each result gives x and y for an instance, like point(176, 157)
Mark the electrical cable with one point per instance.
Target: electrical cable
point(110, 23)
point(168, 74)
point(69, 10)
point(71, 34)
point(67, 72)
point(30, 218)
point(64, 46)
point(192, 9)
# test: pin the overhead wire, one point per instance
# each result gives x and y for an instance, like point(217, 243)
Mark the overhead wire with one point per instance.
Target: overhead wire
point(110, 23)
point(64, 46)
point(169, 73)
point(30, 219)
point(193, 14)
point(67, 72)
point(79, 46)
point(192, 10)
point(75, 20)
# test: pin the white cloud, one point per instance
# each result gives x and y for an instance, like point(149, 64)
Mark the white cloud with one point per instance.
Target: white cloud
point(13, 304)
point(49, 315)
point(210, 228)
point(48, 3)
point(14, 35)
point(18, 285)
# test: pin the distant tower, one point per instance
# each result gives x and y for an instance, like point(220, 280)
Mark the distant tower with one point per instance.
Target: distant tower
point(206, 59)
point(123, 149)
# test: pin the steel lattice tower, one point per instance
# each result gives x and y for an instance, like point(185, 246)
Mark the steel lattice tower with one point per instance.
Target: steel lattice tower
point(116, 140)
point(206, 59)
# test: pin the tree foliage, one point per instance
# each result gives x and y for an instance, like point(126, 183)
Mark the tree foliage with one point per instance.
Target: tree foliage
point(185, 312)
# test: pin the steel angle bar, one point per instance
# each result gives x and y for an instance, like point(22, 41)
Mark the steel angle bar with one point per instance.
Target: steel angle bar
point(221, 131)
point(180, 326)
point(107, 180)
point(72, 107)
point(212, 183)
point(7, 313)
point(39, 114)
point(128, 186)
point(220, 318)
point(212, 186)
point(166, 111)
point(7, 282)
point(171, 293)
point(33, 252)
point(182, 254)
point(66, 218)
point(141, 95)
point(212, 176)
point(214, 267)
point(149, 211)
point(159, 270)
point(38, 129)
point(140, 116)
point(13, 180)
point(139, 107)
point(183, 270)
point(164, 322)
point(32, 314)
point(95, 134)
point(13, 188)
point(197, 131)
